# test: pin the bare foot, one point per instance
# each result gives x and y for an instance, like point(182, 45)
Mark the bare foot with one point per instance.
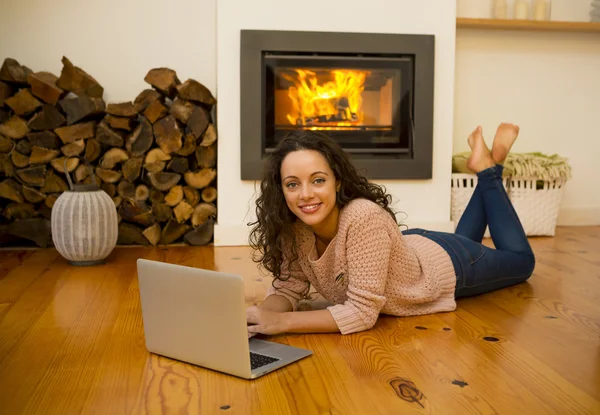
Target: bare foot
point(481, 157)
point(504, 140)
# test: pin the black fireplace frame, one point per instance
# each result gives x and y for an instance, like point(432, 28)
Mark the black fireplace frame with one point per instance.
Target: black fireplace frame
point(416, 164)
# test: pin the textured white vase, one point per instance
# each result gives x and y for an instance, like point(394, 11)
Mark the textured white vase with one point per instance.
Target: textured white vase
point(84, 224)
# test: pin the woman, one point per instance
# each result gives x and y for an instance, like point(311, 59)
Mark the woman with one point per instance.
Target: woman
point(320, 223)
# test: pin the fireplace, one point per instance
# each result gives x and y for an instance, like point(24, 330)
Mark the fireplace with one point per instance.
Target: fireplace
point(372, 93)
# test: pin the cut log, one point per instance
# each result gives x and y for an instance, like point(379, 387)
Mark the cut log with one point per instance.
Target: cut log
point(172, 232)
point(81, 108)
point(168, 135)
point(73, 149)
point(200, 179)
point(110, 189)
point(34, 229)
point(123, 109)
point(175, 196)
point(54, 184)
point(193, 90)
point(209, 136)
point(41, 155)
point(155, 167)
point(33, 195)
point(4, 116)
point(93, 179)
point(164, 80)
point(137, 212)
point(162, 212)
point(43, 86)
point(11, 190)
point(15, 128)
point(145, 98)
point(76, 80)
point(156, 154)
point(155, 111)
point(179, 165)
point(50, 200)
point(183, 211)
point(198, 122)
point(120, 123)
point(106, 135)
point(132, 168)
point(108, 176)
point(6, 91)
point(19, 160)
point(113, 157)
point(181, 110)
point(6, 166)
point(19, 211)
point(76, 132)
point(152, 233)
point(34, 176)
point(6, 144)
point(117, 200)
point(141, 193)
point(192, 196)
point(206, 156)
point(45, 139)
point(24, 147)
point(93, 150)
point(209, 194)
point(130, 234)
point(202, 235)
point(23, 103)
point(126, 189)
point(12, 71)
point(189, 146)
point(202, 212)
point(48, 118)
point(156, 196)
point(81, 172)
point(140, 141)
point(59, 164)
point(164, 181)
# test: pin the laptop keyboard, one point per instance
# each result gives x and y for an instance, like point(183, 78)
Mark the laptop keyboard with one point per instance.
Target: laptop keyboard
point(258, 360)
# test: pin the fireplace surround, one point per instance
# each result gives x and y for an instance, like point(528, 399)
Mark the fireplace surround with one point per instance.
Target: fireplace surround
point(372, 93)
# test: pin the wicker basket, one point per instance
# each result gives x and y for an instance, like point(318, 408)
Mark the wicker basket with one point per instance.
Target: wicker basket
point(536, 201)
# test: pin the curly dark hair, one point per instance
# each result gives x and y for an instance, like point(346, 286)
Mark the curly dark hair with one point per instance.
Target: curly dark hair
point(274, 221)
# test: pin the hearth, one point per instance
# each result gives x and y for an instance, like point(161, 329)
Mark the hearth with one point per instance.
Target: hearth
point(372, 93)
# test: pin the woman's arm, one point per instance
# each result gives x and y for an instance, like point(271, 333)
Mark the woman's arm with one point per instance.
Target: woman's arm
point(276, 303)
point(271, 322)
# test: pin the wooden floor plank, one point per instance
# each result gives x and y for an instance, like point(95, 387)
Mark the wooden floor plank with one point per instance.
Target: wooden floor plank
point(71, 341)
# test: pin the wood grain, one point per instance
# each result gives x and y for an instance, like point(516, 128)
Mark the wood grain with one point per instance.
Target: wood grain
point(72, 341)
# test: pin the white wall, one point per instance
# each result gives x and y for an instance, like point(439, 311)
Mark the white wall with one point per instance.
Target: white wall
point(115, 41)
point(548, 83)
point(426, 202)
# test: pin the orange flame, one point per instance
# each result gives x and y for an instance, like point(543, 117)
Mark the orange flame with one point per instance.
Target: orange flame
point(334, 103)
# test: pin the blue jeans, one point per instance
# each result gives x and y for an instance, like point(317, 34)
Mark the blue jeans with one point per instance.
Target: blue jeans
point(480, 269)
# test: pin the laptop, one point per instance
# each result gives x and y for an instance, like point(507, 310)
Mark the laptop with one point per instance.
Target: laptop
point(198, 316)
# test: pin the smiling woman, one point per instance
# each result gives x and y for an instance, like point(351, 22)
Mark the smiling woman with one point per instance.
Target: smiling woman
point(321, 223)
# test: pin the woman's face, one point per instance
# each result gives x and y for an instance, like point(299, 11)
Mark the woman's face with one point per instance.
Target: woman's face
point(309, 186)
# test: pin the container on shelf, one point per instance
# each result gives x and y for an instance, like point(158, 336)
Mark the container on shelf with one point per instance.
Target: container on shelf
point(499, 9)
point(541, 9)
point(522, 9)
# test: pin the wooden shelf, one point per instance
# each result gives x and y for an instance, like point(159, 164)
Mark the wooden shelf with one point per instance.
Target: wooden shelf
point(496, 24)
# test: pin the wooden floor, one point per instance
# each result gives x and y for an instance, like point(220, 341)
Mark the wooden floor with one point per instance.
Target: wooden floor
point(71, 341)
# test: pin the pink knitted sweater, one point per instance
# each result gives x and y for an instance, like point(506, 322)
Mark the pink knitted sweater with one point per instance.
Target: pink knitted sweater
point(370, 268)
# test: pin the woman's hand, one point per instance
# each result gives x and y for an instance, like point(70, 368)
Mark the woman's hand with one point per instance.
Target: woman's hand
point(264, 322)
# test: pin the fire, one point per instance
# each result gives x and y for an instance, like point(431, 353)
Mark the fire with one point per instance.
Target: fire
point(335, 103)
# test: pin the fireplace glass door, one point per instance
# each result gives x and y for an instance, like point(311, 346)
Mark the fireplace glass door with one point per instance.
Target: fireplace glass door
point(364, 102)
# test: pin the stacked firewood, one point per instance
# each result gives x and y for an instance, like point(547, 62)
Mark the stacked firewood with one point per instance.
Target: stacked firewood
point(155, 156)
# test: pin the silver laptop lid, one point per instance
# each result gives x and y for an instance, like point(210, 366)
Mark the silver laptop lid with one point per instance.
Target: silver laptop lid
point(195, 315)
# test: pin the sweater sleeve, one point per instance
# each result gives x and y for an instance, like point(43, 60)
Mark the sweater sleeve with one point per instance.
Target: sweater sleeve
point(368, 249)
point(294, 286)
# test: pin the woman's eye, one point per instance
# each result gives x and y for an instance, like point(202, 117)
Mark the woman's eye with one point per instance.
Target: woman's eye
point(290, 185)
point(319, 181)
